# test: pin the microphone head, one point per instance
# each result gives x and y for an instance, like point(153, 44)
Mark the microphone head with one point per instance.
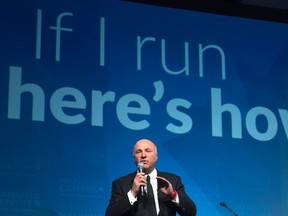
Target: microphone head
point(223, 204)
point(140, 166)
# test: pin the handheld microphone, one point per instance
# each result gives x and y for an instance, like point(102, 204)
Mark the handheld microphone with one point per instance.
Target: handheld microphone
point(140, 166)
point(229, 209)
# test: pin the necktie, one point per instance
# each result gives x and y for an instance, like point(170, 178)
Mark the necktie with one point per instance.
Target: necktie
point(150, 196)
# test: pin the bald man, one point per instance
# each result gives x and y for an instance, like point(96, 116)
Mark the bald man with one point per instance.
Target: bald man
point(168, 196)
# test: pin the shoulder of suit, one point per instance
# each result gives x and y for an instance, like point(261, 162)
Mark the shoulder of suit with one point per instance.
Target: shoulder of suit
point(125, 177)
point(167, 174)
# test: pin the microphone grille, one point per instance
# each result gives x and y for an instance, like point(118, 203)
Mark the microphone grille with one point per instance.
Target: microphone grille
point(222, 204)
point(140, 165)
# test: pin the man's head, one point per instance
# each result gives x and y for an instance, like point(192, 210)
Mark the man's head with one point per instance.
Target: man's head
point(145, 151)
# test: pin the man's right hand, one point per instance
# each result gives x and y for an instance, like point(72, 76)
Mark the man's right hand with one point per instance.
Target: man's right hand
point(139, 180)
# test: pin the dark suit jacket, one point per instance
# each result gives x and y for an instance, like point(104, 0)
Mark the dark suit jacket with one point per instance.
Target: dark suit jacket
point(119, 203)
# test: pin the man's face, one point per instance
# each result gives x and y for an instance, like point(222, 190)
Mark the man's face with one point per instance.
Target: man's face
point(145, 151)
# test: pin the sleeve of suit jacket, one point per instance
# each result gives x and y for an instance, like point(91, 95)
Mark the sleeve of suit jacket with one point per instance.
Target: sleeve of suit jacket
point(186, 206)
point(119, 203)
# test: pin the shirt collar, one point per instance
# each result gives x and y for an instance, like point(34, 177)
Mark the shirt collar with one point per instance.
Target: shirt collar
point(153, 175)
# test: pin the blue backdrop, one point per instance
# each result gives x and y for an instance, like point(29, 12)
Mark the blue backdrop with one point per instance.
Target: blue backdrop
point(82, 81)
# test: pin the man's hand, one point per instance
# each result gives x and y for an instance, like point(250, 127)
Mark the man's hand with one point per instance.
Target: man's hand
point(139, 180)
point(165, 186)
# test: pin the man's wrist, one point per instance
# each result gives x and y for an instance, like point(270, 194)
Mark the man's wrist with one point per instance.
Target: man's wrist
point(131, 197)
point(173, 195)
